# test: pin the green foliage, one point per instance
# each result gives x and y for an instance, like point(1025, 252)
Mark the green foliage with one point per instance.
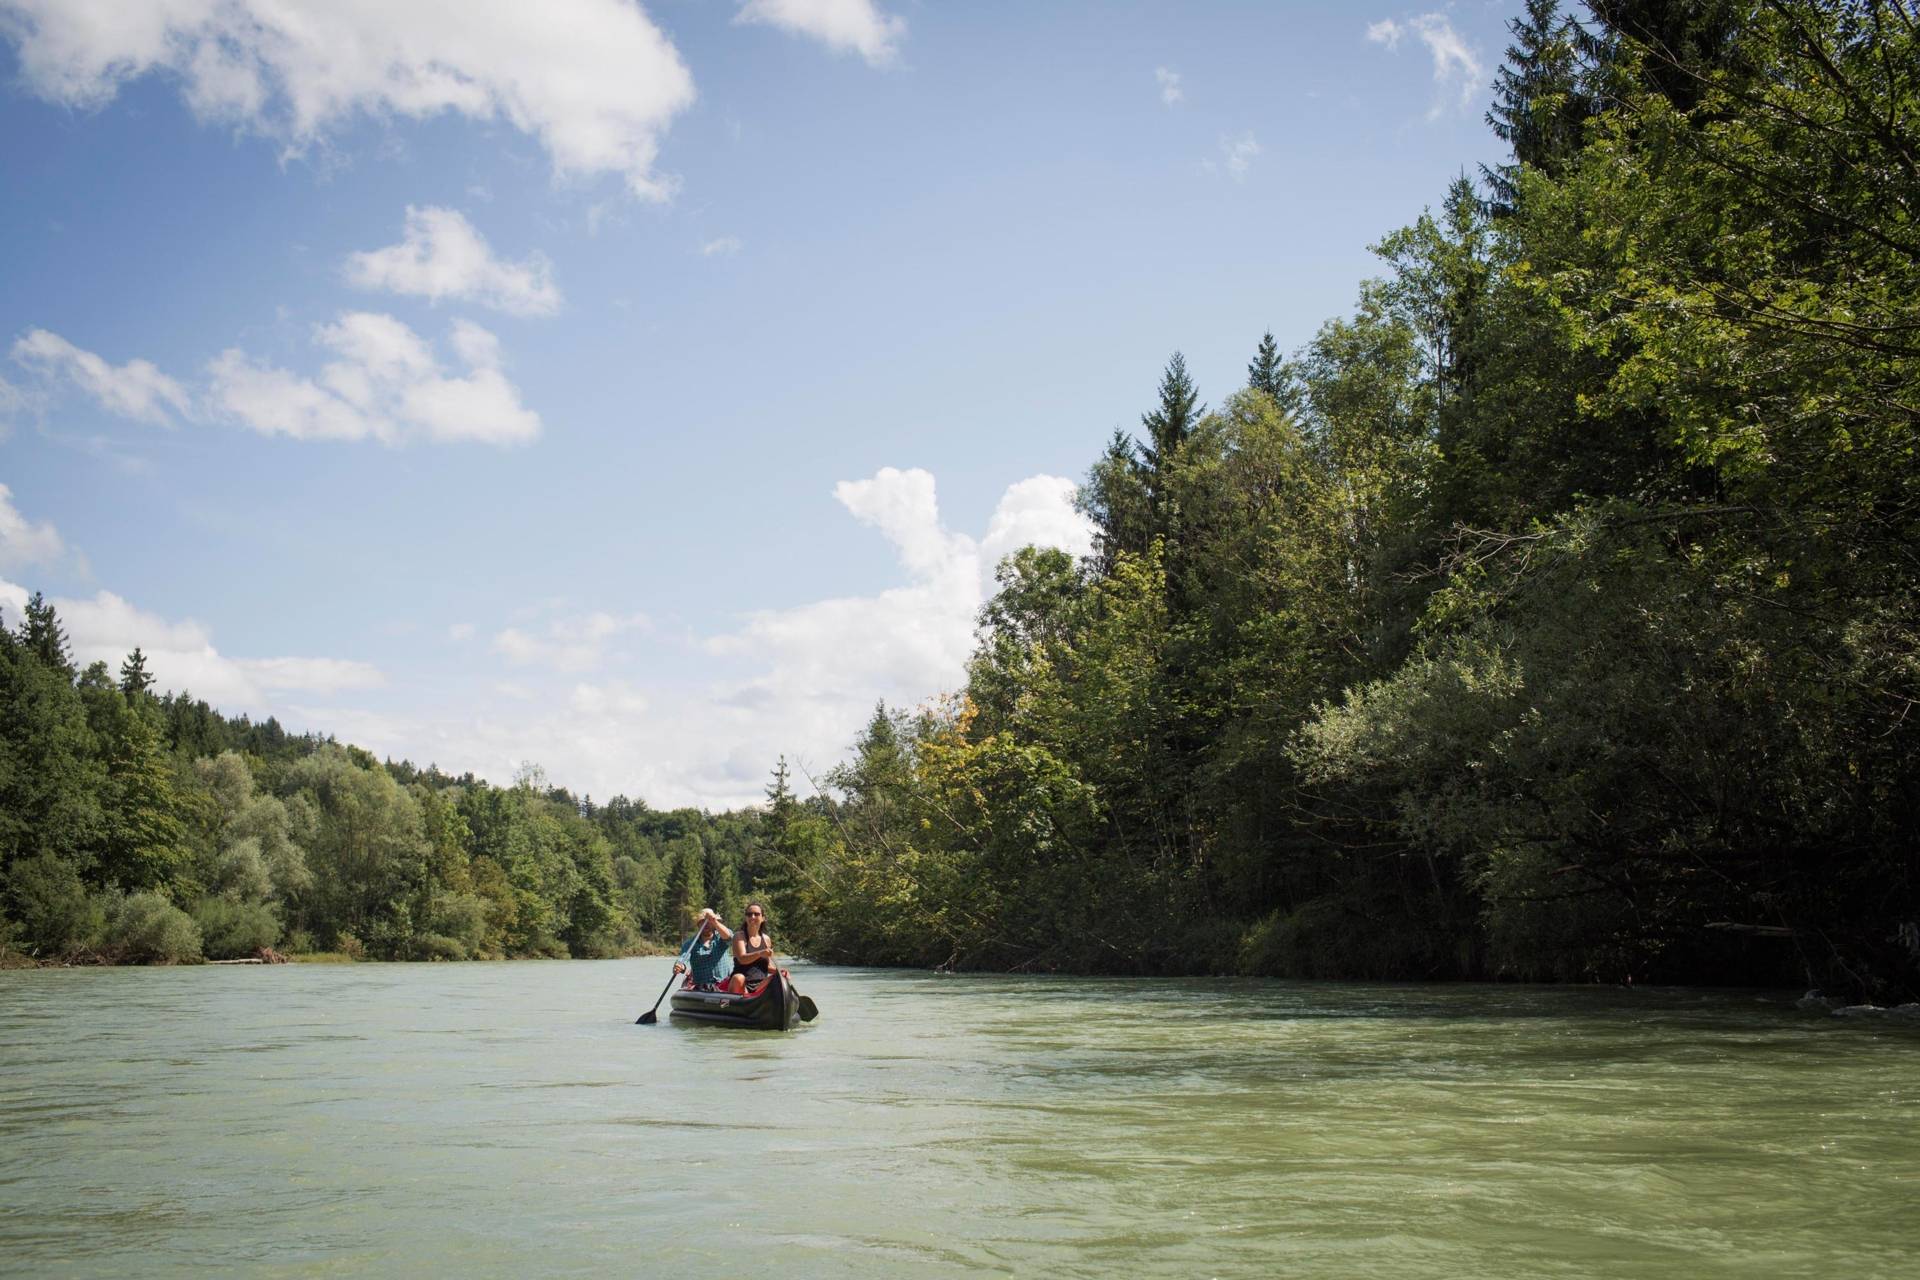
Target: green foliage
point(231, 930)
point(53, 913)
point(115, 800)
point(145, 928)
point(1551, 616)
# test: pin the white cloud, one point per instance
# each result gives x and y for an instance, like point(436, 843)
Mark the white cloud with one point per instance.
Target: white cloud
point(12, 401)
point(386, 385)
point(135, 389)
point(727, 245)
point(312, 675)
point(1457, 72)
point(568, 644)
point(845, 26)
point(1170, 91)
point(822, 665)
point(442, 256)
point(460, 631)
point(1386, 31)
point(593, 80)
point(1236, 156)
point(616, 698)
point(23, 543)
point(181, 657)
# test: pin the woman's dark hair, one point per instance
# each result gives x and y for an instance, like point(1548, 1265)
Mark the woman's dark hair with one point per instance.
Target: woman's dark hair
point(763, 917)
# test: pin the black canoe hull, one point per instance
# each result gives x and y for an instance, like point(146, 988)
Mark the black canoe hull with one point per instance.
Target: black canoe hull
point(775, 1007)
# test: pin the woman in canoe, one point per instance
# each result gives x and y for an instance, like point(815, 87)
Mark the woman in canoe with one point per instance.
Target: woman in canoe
point(752, 952)
point(704, 956)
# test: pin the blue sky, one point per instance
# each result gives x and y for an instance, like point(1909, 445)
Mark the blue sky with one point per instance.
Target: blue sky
point(642, 391)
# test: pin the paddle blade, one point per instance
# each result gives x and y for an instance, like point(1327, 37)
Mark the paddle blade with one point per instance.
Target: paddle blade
point(647, 1019)
point(808, 1009)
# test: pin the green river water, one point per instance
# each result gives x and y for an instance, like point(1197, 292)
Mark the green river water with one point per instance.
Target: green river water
point(510, 1119)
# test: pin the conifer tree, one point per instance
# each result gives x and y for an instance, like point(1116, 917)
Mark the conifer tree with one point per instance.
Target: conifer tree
point(134, 677)
point(1265, 373)
point(1172, 421)
point(1539, 102)
point(146, 841)
point(44, 635)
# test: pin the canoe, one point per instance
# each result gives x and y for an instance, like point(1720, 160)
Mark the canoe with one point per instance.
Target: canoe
point(772, 1006)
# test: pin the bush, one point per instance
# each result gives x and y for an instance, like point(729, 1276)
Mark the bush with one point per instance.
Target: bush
point(53, 914)
point(147, 929)
point(349, 946)
point(234, 930)
point(1331, 938)
point(437, 946)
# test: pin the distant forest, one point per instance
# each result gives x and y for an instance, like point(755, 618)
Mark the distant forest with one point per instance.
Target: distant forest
point(1550, 617)
point(140, 828)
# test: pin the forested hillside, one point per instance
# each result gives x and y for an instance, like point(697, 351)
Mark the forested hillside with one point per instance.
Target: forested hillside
point(1551, 616)
point(136, 827)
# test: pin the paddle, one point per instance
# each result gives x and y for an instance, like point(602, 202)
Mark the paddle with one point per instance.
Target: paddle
point(808, 1009)
point(652, 1015)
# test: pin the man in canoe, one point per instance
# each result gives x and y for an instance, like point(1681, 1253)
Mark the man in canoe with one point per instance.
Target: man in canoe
point(706, 956)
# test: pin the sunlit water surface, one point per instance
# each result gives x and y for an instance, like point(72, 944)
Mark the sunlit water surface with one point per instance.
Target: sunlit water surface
point(510, 1119)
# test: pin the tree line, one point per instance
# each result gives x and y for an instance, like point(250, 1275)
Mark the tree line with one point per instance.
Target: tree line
point(1551, 616)
point(144, 828)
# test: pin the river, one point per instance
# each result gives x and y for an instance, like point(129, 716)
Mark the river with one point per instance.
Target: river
point(510, 1119)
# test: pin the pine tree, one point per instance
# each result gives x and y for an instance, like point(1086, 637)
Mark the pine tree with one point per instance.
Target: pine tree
point(1169, 425)
point(44, 635)
point(1114, 498)
point(780, 806)
point(686, 882)
point(146, 840)
point(1266, 373)
point(1539, 102)
point(134, 677)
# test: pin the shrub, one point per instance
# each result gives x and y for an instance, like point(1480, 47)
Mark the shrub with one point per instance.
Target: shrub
point(299, 941)
point(233, 930)
point(53, 914)
point(437, 946)
point(146, 928)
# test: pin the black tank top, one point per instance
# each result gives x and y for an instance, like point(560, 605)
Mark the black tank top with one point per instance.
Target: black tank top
point(756, 968)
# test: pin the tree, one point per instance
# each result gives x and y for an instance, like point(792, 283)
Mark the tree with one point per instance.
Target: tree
point(43, 634)
point(1169, 424)
point(1115, 499)
point(134, 678)
point(146, 842)
point(1267, 373)
point(1540, 102)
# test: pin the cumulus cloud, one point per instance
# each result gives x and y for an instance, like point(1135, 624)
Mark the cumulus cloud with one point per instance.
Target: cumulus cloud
point(799, 682)
point(1170, 92)
point(442, 256)
point(594, 81)
point(385, 384)
point(135, 389)
point(181, 656)
point(568, 644)
point(845, 26)
point(1457, 72)
point(823, 664)
point(23, 543)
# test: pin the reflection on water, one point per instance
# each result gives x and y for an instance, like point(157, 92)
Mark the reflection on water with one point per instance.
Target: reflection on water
point(511, 1119)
